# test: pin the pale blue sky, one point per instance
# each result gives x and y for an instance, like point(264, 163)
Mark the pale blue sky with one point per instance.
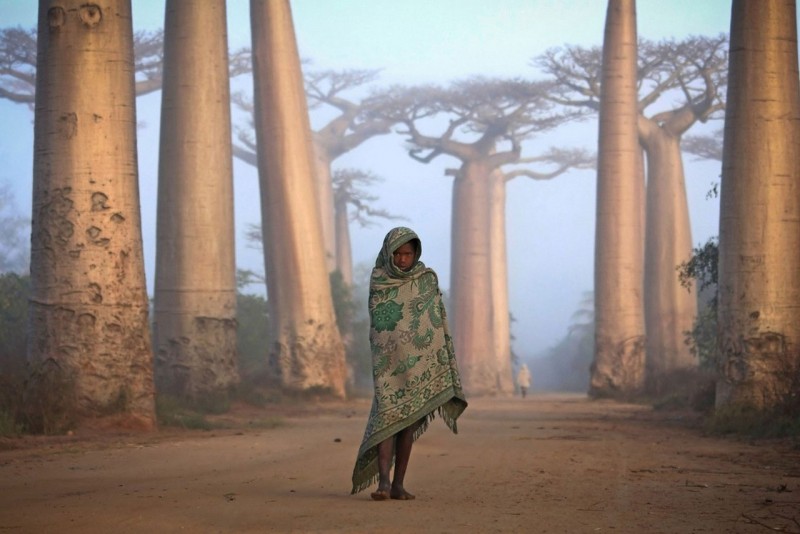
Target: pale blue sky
point(551, 224)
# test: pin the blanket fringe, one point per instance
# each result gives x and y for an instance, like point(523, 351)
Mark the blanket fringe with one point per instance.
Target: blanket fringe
point(449, 412)
point(365, 484)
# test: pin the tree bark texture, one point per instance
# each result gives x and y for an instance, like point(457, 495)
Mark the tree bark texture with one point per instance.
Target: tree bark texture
point(759, 256)
point(618, 367)
point(499, 269)
point(471, 279)
point(89, 307)
point(670, 309)
point(307, 352)
point(195, 286)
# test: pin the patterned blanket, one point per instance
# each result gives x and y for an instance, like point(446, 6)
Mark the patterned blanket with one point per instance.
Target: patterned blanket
point(414, 366)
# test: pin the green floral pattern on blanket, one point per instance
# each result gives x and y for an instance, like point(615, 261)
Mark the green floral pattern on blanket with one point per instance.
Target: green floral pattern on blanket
point(386, 315)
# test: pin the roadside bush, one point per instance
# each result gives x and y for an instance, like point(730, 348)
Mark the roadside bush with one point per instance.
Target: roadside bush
point(49, 404)
point(749, 421)
point(687, 389)
point(14, 293)
point(252, 341)
point(175, 412)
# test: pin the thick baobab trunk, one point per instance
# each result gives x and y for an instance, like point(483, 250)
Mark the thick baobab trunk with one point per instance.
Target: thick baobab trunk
point(499, 269)
point(618, 367)
point(670, 309)
point(307, 349)
point(759, 256)
point(324, 182)
point(195, 287)
point(471, 280)
point(344, 252)
point(88, 307)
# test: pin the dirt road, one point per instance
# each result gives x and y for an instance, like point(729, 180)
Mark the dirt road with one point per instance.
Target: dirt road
point(558, 464)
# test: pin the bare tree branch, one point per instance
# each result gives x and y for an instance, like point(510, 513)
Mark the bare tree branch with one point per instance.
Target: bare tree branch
point(18, 63)
point(349, 187)
point(562, 159)
point(695, 67)
point(704, 146)
point(477, 114)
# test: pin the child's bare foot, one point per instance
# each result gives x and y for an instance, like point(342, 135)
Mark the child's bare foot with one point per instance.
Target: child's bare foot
point(401, 494)
point(380, 495)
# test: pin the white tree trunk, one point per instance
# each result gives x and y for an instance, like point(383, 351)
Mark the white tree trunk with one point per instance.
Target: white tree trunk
point(618, 367)
point(195, 289)
point(89, 307)
point(307, 351)
point(759, 256)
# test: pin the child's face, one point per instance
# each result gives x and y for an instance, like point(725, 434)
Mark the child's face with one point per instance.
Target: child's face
point(403, 257)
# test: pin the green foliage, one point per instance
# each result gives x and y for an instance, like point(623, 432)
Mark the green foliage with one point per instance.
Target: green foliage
point(175, 412)
point(702, 338)
point(252, 342)
point(49, 404)
point(750, 421)
point(14, 292)
point(702, 267)
point(212, 402)
point(687, 389)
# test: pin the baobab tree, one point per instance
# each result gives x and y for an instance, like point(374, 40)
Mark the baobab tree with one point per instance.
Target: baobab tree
point(195, 285)
point(759, 257)
point(488, 119)
point(618, 366)
point(307, 351)
point(88, 306)
point(670, 310)
point(693, 69)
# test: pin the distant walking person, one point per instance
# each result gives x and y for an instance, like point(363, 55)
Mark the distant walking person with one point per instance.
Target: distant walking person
point(524, 379)
point(413, 364)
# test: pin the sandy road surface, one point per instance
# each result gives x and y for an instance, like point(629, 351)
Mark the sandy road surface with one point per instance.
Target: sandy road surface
point(557, 464)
